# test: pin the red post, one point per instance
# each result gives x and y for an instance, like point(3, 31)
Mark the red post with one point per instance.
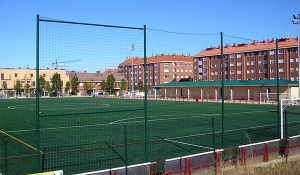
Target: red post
point(244, 156)
point(187, 166)
point(218, 162)
point(266, 152)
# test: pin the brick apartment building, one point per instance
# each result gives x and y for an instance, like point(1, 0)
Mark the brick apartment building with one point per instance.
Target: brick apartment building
point(254, 61)
point(160, 69)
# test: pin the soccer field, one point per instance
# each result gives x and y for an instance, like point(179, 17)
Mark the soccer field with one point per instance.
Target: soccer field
point(87, 134)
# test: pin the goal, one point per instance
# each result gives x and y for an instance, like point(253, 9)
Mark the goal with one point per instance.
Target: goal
point(269, 98)
point(8, 94)
point(290, 105)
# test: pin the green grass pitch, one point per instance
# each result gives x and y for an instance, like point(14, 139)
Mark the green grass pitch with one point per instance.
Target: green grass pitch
point(88, 134)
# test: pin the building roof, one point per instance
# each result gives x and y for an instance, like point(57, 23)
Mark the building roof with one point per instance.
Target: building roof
point(82, 76)
point(157, 59)
point(246, 83)
point(254, 46)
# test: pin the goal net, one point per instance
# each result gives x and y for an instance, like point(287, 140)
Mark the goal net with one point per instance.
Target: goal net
point(269, 98)
point(289, 117)
point(8, 94)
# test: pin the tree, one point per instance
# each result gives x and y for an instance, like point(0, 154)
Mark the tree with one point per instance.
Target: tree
point(103, 85)
point(201, 79)
point(27, 88)
point(42, 81)
point(190, 79)
point(17, 86)
point(123, 84)
point(174, 80)
point(47, 87)
point(111, 82)
point(4, 85)
point(74, 85)
point(140, 85)
point(88, 87)
point(67, 87)
point(56, 83)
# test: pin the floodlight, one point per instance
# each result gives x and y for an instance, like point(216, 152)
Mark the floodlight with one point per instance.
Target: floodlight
point(294, 21)
point(295, 16)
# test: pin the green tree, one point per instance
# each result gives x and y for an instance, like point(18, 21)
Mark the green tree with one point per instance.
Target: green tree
point(201, 79)
point(4, 85)
point(47, 87)
point(17, 86)
point(67, 87)
point(103, 85)
point(56, 83)
point(141, 86)
point(27, 88)
point(174, 80)
point(88, 87)
point(190, 79)
point(111, 83)
point(42, 82)
point(123, 84)
point(74, 85)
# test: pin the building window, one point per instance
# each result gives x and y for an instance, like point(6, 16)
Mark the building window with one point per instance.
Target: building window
point(265, 62)
point(212, 73)
point(232, 72)
point(239, 55)
point(239, 72)
point(252, 63)
point(280, 61)
point(248, 63)
point(252, 71)
point(166, 64)
point(281, 70)
point(271, 52)
point(260, 62)
point(260, 71)
point(166, 70)
point(272, 61)
point(292, 60)
point(239, 64)
point(231, 64)
point(204, 59)
point(231, 56)
point(248, 71)
point(272, 70)
point(292, 69)
point(16, 75)
point(281, 51)
point(292, 50)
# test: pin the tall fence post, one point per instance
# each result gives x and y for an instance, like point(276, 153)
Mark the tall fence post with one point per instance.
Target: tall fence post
point(125, 145)
point(5, 156)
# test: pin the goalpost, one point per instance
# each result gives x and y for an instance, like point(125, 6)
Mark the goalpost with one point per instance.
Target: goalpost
point(268, 98)
point(286, 104)
point(8, 94)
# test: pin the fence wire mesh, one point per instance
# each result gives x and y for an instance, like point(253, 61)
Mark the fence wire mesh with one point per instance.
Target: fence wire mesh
point(85, 124)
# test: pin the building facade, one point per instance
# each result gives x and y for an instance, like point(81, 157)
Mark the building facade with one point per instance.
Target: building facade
point(160, 69)
point(254, 61)
point(95, 80)
point(9, 76)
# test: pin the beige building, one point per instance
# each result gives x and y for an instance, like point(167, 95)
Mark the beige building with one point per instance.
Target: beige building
point(28, 76)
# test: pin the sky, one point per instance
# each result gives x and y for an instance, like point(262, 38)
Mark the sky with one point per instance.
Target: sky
point(255, 19)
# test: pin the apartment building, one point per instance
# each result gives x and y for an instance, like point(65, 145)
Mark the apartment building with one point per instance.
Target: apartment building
point(253, 61)
point(160, 69)
point(28, 76)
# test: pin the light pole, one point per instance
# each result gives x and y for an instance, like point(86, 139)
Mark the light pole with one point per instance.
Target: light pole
point(132, 88)
point(296, 21)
